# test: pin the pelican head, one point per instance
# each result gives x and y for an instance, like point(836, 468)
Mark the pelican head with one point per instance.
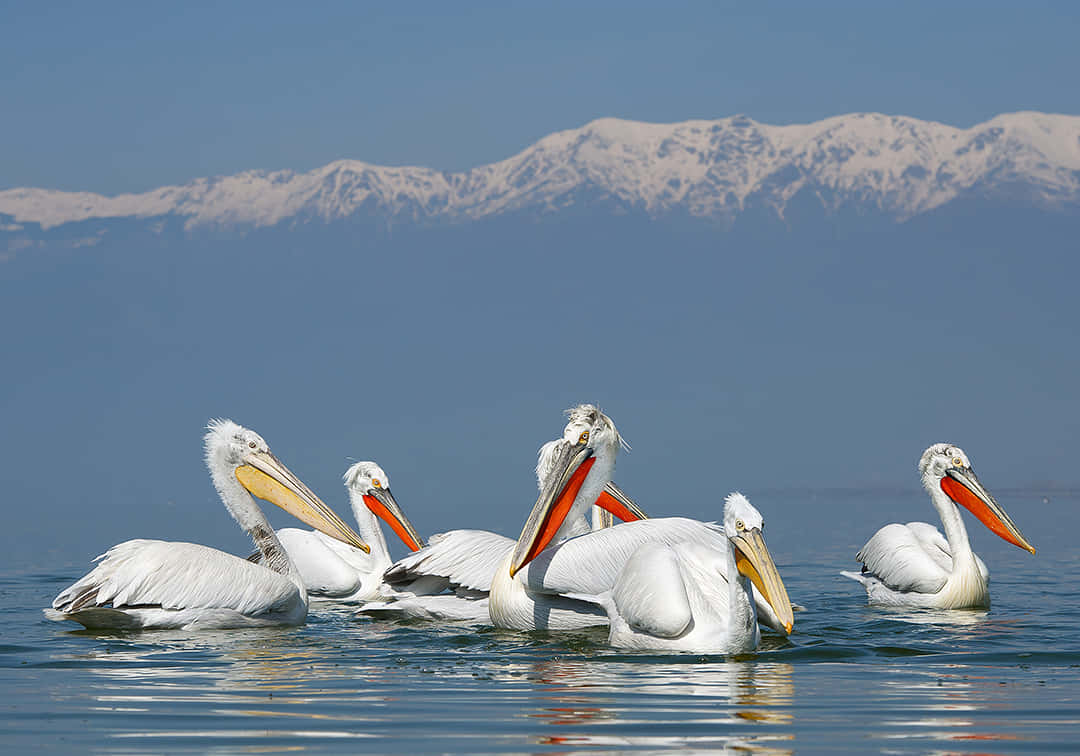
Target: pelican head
point(368, 481)
point(585, 425)
point(744, 527)
point(945, 466)
point(613, 500)
point(233, 450)
point(563, 465)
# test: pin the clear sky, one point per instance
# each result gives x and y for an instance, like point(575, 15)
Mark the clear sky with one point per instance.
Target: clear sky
point(127, 96)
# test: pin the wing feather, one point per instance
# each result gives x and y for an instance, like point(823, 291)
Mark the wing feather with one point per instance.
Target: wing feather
point(466, 558)
point(900, 558)
point(326, 565)
point(590, 564)
point(933, 543)
point(443, 607)
point(175, 576)
point(650, 594)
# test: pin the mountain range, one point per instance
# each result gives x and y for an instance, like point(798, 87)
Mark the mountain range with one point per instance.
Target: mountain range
point(716, 170)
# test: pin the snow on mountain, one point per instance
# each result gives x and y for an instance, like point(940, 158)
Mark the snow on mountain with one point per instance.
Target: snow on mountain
point(902, 166)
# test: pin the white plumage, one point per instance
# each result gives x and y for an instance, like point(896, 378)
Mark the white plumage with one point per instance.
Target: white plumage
point(682, 589)
point(914, 564)
point(465, 561)
point(331, 569)
point(464, 558)
point(572, 472)
point(650, 598)
point(163, 584)
point(462, 561)
point(559, 587)
point(335, 570)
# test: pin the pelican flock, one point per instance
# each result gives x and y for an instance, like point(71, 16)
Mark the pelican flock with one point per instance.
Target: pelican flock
point(465, 561)
point(914, 565)
point(665, 583)
point(562, 580)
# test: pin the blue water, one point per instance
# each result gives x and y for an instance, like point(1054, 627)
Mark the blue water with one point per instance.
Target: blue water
point(850, 680)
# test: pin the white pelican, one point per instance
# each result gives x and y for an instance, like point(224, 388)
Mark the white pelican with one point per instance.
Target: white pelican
point(540, 585)
point(163, 584)
point(914, 565)
point(336, 570)
point(465, 561)
point(697, 597)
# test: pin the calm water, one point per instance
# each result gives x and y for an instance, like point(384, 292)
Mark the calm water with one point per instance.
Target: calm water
point(851, 680)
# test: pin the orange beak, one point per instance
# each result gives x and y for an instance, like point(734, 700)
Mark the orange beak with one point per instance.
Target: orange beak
point(619, 504)
point(385, 506)
point(961, 485)
point(553, 505)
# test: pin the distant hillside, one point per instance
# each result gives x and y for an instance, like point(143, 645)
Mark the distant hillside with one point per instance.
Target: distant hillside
point(892, 166)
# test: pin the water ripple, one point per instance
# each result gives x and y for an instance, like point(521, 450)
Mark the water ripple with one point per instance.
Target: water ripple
point(850, 680)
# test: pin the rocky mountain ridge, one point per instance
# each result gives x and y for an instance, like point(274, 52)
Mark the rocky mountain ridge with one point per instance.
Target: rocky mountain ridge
point(711, 169)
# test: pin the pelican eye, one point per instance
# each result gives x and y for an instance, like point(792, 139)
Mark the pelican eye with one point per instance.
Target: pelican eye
point(583, 438)
point(740, 525)
point(375, 482)
point(958, 462)
point(252, 444)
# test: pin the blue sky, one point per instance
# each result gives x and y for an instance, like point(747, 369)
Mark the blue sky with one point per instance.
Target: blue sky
point(128, 96)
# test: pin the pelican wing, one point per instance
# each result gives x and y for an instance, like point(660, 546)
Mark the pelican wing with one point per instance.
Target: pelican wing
point(650, 595)
point(590, 564)
point(172, 575)
point(445, 607)
point(466, 558)
point(326, 565)
point(906, 559)
point(933, 543)
point(937, 547)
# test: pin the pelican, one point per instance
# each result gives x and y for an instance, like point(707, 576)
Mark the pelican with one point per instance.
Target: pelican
point(465, 561)
point(914, 565)
point(335, 570)
point(551, 580)
point(697, 597)
point(165, 584)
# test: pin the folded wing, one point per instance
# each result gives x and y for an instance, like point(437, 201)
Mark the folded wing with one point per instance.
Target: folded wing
point(464, 558)
point(175, 576)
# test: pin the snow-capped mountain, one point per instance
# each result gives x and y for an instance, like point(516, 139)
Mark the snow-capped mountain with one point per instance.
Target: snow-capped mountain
point(712, 169)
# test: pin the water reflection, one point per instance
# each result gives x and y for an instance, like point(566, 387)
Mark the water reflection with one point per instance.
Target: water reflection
point(272, 663)
point(299, 690)
point(607, 702)
point(219, 685)
point(953, 703)
point(943, 617)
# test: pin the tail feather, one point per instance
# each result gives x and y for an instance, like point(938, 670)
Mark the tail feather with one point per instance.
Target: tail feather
point(854, 576)
point(96, 618)
point(85, 596)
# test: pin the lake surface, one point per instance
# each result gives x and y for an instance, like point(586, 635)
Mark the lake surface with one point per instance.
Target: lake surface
point(850, 680)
